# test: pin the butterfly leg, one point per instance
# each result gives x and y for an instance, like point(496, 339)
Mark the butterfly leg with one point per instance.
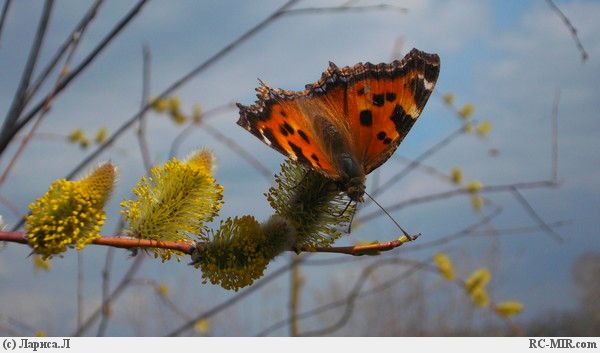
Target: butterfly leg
point(351, 220)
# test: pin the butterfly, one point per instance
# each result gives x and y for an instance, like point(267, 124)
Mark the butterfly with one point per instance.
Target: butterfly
point(349, 122)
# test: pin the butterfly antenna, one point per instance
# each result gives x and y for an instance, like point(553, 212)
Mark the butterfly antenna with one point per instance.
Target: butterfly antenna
point(388, 214)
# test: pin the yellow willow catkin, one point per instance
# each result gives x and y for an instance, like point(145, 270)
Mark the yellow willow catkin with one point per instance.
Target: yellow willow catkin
point(70, 213)
point(174, 202)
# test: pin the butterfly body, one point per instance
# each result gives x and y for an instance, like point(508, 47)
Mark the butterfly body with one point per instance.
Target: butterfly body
point(350, 121)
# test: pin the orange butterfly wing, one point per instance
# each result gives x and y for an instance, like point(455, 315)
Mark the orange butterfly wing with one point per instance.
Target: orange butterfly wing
point(384, 101)
point(371, 106)
point(281, 119)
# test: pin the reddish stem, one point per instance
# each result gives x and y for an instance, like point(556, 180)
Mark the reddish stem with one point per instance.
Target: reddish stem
point(187, 246)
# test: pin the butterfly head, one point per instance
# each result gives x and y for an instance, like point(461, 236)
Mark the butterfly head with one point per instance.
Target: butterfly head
point(355, 189)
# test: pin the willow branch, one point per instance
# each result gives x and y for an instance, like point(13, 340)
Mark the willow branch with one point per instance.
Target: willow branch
point(457, 192)
point(571, 28)
point(4, 15)
point(535, 216)
point(45, 109)
point(19, 124)
point(231, 301)
point(17, 104)
point(75, 35)
point(200, 68)
point(185, 133)
point(341, 9)
point(189, 247)
point(141, 131)
point(415, 163)
point(119, 289)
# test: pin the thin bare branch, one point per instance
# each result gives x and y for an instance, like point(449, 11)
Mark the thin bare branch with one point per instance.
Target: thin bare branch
point(10, 206)
point(200, 68)
point(535, 216)
point(79, 289)
point(106, 292)
point(415, 163)
point(106, 275)
point(141, 131)
point(119, 289)
point(344, 9)
point(185, 133)
point(456, 192)
point(555, 136)
point(229, 302)
point(571, 28)
point(462, 233)
point(42, 115)
point(296, 282)
point(241, 151)
point(75, 35)
point(17, 104)
point(4, 15)
point(162, 296)
point(6, 138)
point(350, 299)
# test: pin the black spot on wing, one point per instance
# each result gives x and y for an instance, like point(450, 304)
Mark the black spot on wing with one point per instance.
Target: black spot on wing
point(283, 131)
point(420, 93)
point(268, 135)
point(314, 157)
point(303, 136)
point(378, 100)
point(381, 135)
point(387, 141)
point(283, 114)
point(288, 128)
point(390, 96)
point(299, 154)
point(402, 121)
point(360, 91)
point(366, 118)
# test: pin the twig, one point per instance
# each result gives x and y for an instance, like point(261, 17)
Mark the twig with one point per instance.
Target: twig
point(45, 109)
point(11, 206)
point(4, 15)
point(570, 27)
point(555, 136)
point(295, 289)
point(106, 272)
point(178, 140)
point(235, 147)
point(349, 300)
point(75, 35)
point(189, 247)
point(79, 289)
point(163, 297)
point(105, 292)
point(455, 236)
point(200, 68)
point(338, 9)
point(535, 216)
point(141, 131)
point(456, 192)
point(415, 163)
point(17, 104)
point(462, 233)
point(119, 289)
point(73, 74)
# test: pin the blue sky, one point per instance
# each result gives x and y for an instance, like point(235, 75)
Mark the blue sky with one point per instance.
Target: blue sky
point(508, 58)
